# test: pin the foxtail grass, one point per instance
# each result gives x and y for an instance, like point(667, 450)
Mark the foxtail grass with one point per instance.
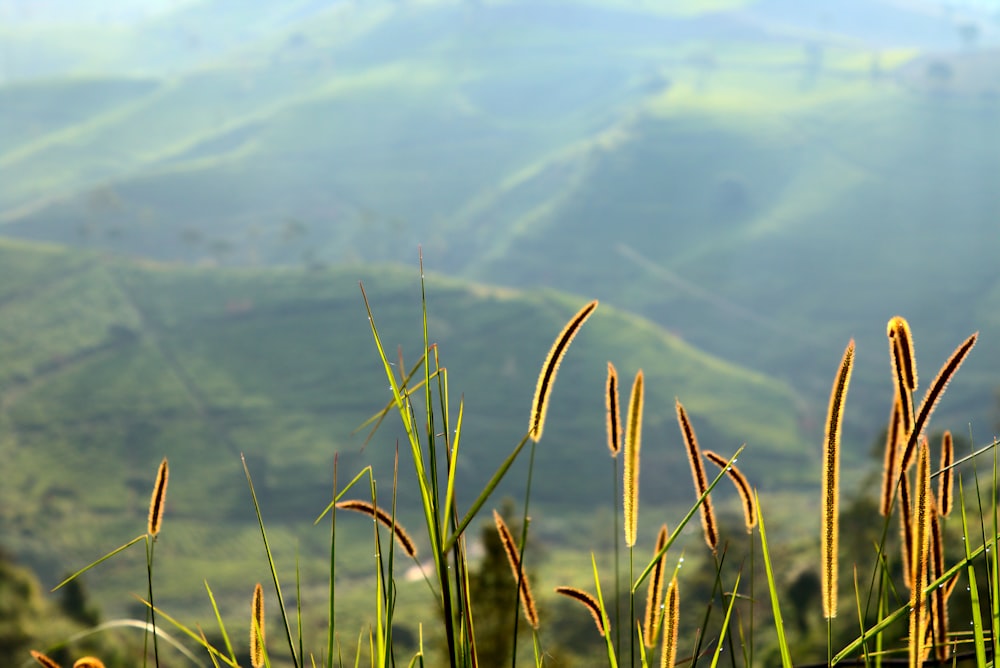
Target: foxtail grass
point(651, 620)
point(421, 398)
point(633, 444)
point(257, 628)
point(920, 557)
point(708, 524)
point(158, 499)
point(831, 482)
point(630, 484)
point(742, 486)
point(513, 557)
point(671, 625)
point(933, 395)
point(588, 601)
point(44, 660)
point(939, 595)
point(890, 465)
point(898, 331)
point(612, 406)
point(385, 519)
point(904, 368)
point(947, 474)
point(155, 522)
point(905, 529)
point(614, 428)
point(543, 388)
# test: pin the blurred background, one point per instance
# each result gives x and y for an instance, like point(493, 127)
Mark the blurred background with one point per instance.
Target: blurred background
point(190, 191)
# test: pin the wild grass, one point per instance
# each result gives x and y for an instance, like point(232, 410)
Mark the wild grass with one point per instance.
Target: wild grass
point(720, 602)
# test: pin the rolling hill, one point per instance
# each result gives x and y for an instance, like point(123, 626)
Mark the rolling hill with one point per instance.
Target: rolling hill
point(108, 365)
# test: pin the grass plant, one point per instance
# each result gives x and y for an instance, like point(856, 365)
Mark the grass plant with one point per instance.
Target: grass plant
point(432, 432)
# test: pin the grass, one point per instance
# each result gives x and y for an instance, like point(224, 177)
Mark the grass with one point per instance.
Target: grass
point(202, 365)
point(716, 599)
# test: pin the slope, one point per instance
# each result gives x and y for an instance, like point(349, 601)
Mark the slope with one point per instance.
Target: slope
point(108, 365)
point(769, 223)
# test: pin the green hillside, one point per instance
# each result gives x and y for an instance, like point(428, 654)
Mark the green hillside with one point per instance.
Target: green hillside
point(763, 199)
point(772, 229)
point(106, 366)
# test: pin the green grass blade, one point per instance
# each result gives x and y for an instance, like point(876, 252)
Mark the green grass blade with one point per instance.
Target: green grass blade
point(449, 496)
point(779, 626)
point(99, 561)
point(977, 618)
point(222, 626)
point(331, 617)
point(993, 568)
point(270, 563)
point(725, 623)
point(683, 523)
point(861, 614)
point(197, 637)
point(612, 661)
point(338, 495)
point(485, 494)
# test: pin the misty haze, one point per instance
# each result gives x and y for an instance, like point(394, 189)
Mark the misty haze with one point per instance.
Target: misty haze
point(191, 191)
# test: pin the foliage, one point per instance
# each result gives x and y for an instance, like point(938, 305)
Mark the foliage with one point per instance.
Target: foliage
point(476, 598)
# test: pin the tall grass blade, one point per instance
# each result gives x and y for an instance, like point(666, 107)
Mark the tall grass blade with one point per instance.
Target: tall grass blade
point(271, 565)
point(112, 553)
point(723, 632)
point(680, 527)
point(222, 626)
point(612, 660)
point(772, 587)
point(979, 640)
point(484, 495)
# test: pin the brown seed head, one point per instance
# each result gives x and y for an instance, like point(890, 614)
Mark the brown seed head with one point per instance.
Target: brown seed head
point(742, 488)
point(44, 660)
point(540, 404)
point(613, 411)
point(633, 444)
point(384, 518)
point(158, 500)
point(831, 481)
point(708, 524)
point(671, 624)
point(514, 558)
point(257, 636)
point(89, 662)
point(588, 601)
point(651, 623)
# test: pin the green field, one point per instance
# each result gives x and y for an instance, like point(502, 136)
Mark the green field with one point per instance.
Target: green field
point(109, 365)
